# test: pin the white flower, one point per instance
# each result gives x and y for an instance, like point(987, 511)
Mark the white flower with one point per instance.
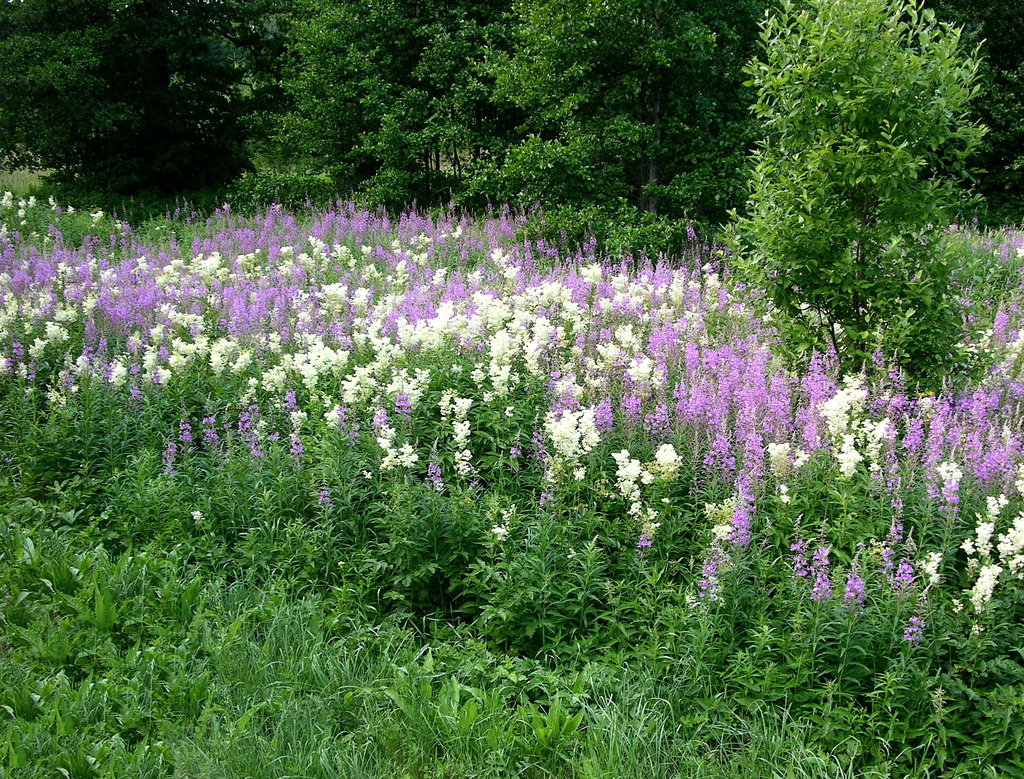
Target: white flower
point(573, 433)
point(844, 407)
point(667, 459)
point(983, 588)
point(931, 567)
point(983, 542)
point(118, 373)
point(500, 532)
point(848, 456)
point(591, 274)
point(950, 473)
point(1011, 547)
point(778, 454)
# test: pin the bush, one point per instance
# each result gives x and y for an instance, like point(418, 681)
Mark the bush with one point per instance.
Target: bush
point(864, 105)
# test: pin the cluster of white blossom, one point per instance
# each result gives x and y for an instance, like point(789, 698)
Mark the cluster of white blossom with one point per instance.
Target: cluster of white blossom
point(986, 563)
point(930, 567)
point(784, 461)
point(573, 434)
point(404, 455)
point(627, 477)
point(455, 411)
point(850, 432)
point(950, 475)
point(631, 476)
point(1011, 547)
point(720, 515)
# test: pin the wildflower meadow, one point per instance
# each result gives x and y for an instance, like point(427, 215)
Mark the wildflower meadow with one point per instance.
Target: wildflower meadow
point(344, 493)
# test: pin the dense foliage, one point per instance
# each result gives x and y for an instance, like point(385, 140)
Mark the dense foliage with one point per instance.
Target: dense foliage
point(126, 97)
point(994, 26)
point(340, 495)
point(864, 107)
point(602, 113)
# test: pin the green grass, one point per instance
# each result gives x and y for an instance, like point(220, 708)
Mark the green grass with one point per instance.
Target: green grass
point(21, 182)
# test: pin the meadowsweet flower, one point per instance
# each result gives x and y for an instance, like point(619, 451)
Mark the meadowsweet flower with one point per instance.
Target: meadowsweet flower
point(627, 474)
point(667, 461)
point(983, 588)
point(572, 433)
point(930, 569)
point(843, 408)
point(721, 516)
point(950, 474)
point(848, 456)
point(1011, 547)
point(779, 457)
point(784, 496)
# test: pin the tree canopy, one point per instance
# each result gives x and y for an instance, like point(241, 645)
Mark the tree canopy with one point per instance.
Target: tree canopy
point(129, 95)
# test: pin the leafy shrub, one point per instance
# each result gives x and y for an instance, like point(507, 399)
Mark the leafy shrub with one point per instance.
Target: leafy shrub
point(864, 107)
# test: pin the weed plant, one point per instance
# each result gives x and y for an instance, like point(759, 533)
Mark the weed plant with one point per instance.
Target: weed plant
point(340, 494)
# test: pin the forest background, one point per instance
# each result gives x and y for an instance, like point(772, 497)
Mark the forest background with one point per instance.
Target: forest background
point(619, 120)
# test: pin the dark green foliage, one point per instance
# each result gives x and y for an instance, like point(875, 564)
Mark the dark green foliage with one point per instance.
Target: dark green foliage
point(995, 27)
point(638, 101)
point(126, 97)
point(387, 97)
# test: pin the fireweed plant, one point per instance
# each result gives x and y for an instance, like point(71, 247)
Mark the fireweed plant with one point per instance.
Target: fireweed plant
point(575, 460)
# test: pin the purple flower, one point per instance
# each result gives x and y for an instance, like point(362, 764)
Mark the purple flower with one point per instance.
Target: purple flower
point(298, 452)
point(185, 433)
point(289, 401)
point(434, 476)
point(210, 437)
point(709, 585)
point(854, 593)
point(324, 498)
point(822, 587)
point(170, 450)
point(799, 550)
point(643, 544)
point(914, 631)
point(903, 582)
point(740, 535)
point(402, 405)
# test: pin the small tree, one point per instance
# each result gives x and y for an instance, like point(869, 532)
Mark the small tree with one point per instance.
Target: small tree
point(864, 104)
